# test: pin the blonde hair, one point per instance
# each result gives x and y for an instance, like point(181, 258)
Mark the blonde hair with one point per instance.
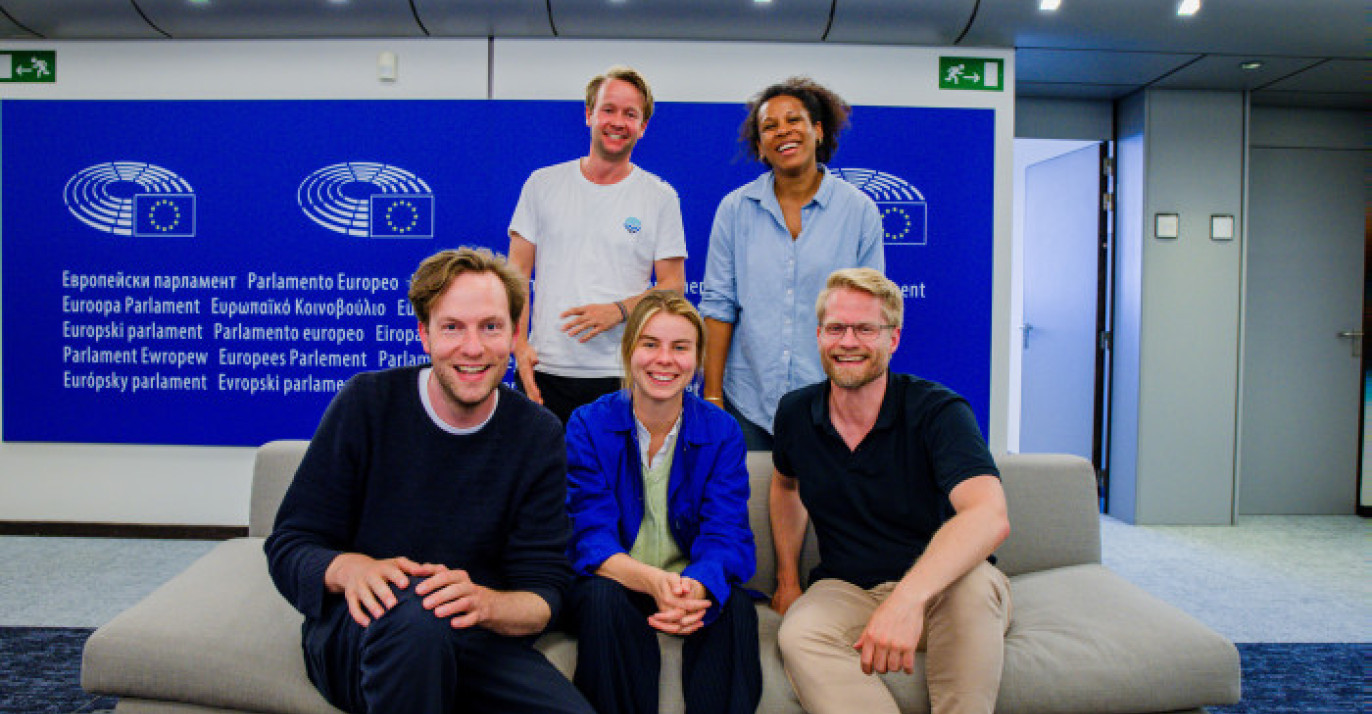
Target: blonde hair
point(624, 74)
point(868, 281)
point(659, 301)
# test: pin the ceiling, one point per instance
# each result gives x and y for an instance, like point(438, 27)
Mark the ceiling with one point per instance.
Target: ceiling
point(1313, 52)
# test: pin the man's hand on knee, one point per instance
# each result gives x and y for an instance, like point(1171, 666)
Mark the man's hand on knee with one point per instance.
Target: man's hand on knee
point(452, 594)
point(889, 641)
point(366, 582)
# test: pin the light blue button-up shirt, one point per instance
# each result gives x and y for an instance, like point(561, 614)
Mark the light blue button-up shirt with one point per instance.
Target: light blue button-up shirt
point(766, 284)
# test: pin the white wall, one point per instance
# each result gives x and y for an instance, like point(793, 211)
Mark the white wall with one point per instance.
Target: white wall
point(209, 486)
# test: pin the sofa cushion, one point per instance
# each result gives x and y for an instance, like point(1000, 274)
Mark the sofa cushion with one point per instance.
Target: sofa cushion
point(1083, 640)
point(217, 635)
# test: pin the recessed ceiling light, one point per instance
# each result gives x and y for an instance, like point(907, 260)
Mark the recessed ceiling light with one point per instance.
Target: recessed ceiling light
point(1188, 7)
point(1251, 65)
point(763, 2)
point(1049, 5)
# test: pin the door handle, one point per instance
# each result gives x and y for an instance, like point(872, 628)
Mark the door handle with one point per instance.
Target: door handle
point(1025, 329)
point(1354, 336)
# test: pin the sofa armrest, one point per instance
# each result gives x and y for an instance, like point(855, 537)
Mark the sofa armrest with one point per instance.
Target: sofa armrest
point(1054, 512)
point(272, 472)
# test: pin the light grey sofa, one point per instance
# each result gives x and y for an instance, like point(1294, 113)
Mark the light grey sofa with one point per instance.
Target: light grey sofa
point(218, 638)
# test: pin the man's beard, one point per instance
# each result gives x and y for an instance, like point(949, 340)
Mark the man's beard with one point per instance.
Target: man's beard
point(846, 378)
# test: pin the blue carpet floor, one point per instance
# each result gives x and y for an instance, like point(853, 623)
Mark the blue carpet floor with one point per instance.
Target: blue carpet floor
point(40, 673)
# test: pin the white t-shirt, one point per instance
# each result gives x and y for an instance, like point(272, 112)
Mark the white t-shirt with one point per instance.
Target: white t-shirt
point(594, 244)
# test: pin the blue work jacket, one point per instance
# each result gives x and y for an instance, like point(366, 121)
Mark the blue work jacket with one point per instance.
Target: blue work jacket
point(707, 491)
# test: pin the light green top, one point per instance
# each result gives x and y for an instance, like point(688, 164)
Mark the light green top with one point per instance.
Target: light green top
point(655, 545)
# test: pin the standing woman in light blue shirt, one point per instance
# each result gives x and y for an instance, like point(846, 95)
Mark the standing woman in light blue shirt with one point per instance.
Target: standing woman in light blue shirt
point(773, 244)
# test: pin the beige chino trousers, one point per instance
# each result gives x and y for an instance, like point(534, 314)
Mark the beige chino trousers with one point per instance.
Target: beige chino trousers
point(963, 641)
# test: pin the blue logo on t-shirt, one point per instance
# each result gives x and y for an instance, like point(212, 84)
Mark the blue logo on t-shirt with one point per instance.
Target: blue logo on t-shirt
point(633, 225)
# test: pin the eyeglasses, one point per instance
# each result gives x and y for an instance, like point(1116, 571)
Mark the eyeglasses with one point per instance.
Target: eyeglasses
point(865, 331)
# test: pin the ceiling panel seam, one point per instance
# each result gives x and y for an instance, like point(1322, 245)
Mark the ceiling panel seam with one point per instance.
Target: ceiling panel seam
point(20, 25)
point(1290, 74)
point(1174, 70)
point(970, 20)
point(148, 20)
point(415, 11)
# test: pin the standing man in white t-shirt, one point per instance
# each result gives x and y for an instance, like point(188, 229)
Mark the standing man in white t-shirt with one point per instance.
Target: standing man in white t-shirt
point(593, 232)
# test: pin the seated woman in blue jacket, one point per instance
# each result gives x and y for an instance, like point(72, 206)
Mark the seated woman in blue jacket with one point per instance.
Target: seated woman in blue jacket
point(658, 497)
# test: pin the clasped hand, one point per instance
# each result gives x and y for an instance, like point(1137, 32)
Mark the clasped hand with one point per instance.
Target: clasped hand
point(366, 586)
point(681, 604)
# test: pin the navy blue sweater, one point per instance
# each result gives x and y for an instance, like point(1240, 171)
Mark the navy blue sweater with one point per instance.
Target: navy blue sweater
point(380, 478)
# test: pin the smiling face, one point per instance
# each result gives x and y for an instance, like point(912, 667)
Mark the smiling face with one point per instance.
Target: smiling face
point(850, 361)
point(664, 361)
point(616, 120)
point(787, 136)
point(468, 337)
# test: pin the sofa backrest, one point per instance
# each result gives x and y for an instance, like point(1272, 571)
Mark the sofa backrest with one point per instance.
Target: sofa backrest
point(1054, 512)
point(1054, 518)
point(272, 472)
point(759, 483)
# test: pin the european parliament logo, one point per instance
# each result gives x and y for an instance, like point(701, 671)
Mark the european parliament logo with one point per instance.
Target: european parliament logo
point(132, 198)
point(368, 200)
point(904, 213)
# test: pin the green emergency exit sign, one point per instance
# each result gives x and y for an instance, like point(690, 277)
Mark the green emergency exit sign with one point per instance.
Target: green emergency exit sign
point(28, 66)
point(971, 73)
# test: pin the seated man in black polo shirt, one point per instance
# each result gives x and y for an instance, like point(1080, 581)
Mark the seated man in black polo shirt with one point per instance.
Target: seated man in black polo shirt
point(908, 507)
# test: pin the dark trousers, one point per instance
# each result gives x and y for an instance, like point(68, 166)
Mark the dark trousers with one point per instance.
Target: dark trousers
point(410, 662)
point(618, 660)
point(755, 438)
point(562, 395)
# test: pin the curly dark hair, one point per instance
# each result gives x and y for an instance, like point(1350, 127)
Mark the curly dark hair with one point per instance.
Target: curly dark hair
point(822, 104)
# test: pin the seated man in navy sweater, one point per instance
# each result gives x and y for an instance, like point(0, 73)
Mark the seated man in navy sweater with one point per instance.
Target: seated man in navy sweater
point(424, 535)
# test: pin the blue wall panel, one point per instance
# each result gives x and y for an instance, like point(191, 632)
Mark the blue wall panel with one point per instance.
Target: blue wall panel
point(132, 229)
